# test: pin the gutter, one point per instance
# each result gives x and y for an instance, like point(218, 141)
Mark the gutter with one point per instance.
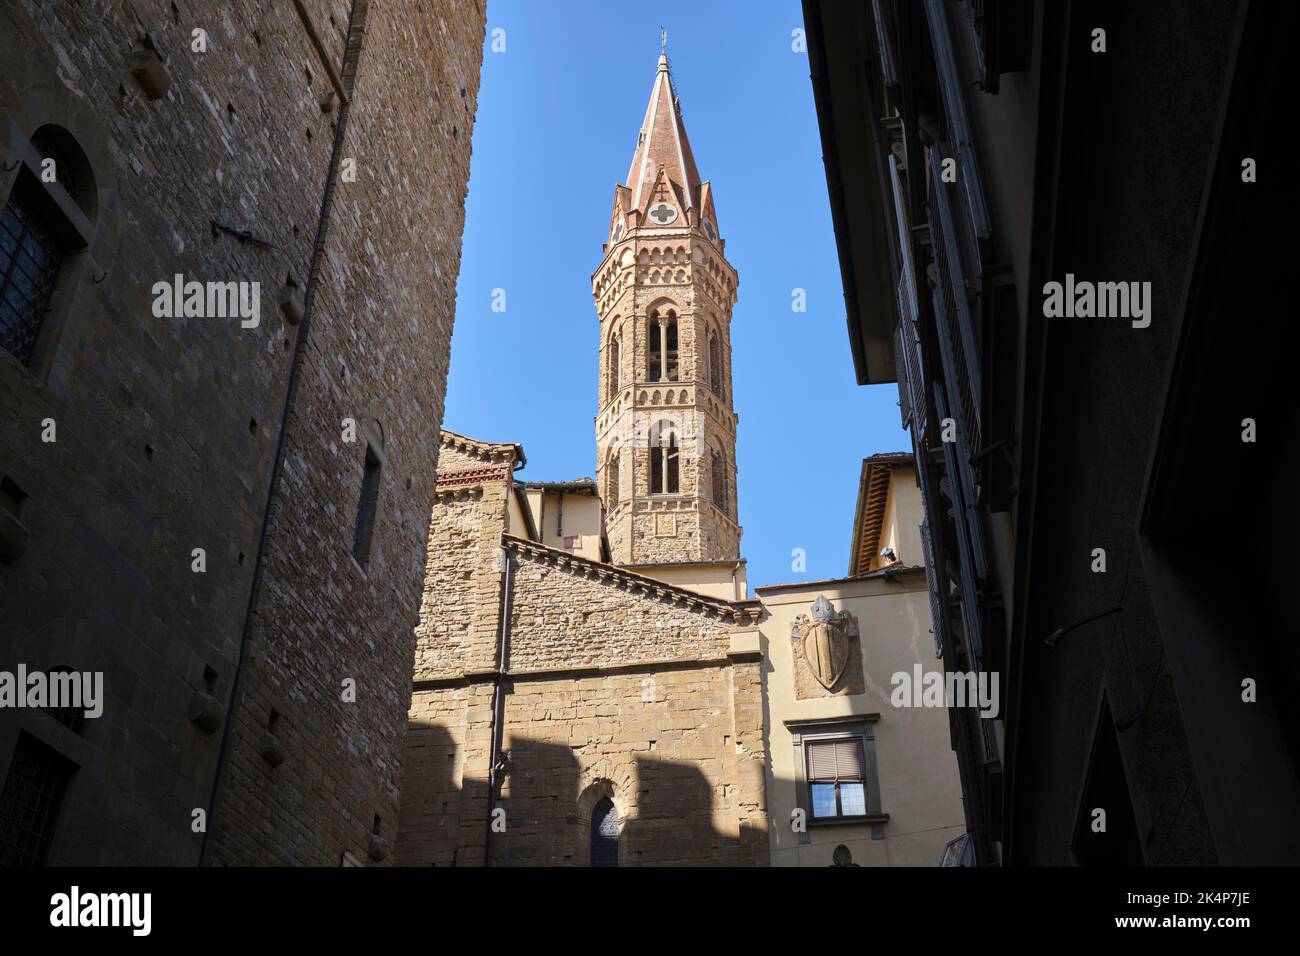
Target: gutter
point(496, 757)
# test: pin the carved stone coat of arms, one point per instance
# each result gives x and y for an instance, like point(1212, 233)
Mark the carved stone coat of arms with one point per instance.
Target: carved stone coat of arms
point(824, 641)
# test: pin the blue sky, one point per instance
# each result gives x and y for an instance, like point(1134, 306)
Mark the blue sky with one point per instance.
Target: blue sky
point(558, 116)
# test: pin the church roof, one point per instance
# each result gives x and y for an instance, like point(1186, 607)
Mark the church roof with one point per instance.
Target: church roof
point(663, 142)
point(629, 581)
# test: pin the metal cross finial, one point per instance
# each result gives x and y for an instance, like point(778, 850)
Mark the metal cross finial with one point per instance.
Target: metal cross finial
point(663, 40)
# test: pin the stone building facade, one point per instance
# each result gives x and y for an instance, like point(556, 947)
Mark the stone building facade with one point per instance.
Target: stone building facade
point(558, 696)
point(594, 683)
point(227, 522)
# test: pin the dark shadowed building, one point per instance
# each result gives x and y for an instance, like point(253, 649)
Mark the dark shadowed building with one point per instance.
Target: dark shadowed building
point(1054, 231)
point(222, 508)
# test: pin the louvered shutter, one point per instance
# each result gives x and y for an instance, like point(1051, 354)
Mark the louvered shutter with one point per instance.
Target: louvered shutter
point(835, 760)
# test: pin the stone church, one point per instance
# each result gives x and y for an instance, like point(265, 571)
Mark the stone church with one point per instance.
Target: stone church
point(594, 684)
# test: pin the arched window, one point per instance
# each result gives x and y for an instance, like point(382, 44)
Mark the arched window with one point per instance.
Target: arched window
point(664, 460)
point(44, 221)
point(613, 367)
point(715, 364)
point(604, 833)
point(663, 346)
point(367, 507)
point(613, 478)
point(719, 481)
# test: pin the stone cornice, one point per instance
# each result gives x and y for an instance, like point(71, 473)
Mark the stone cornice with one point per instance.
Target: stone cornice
point(456, 479)
point(506, 453)
point(570, 672)
point(630, 581)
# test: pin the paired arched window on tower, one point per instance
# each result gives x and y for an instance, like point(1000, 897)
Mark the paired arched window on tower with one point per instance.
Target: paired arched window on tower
point(665, 455)
point(663, 346)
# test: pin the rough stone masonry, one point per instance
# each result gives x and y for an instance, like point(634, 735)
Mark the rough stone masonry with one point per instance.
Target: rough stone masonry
point(226, 676)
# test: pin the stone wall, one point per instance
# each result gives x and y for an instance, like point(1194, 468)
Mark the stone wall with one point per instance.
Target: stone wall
point(661, 744)
point(378, 354)
point(572, 613)
point(460, 613)
point(167, 428)
point(615, 686)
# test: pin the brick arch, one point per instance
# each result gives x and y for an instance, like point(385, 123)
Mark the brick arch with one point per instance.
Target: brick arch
point(663, 302)
point(613, 327)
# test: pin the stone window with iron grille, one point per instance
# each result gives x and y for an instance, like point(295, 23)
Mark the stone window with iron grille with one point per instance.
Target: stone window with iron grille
point(46, 219)
point(30, 802)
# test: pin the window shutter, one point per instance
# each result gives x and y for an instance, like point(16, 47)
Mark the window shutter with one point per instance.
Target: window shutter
point(821, 761)
point(848, 759)
point(836, 760)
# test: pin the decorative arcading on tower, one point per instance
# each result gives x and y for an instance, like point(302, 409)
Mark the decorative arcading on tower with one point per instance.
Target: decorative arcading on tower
point(666, 431)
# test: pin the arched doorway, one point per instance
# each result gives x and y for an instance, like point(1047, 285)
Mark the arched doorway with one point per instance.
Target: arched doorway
point(604, 833)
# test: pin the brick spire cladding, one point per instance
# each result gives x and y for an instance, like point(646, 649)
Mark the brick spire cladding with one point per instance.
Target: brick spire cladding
point(662, 142)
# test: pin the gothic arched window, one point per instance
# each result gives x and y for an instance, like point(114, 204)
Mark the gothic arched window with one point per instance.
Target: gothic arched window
point(663, 346)
point(715, 364)
point(613, 367)
point(664, 460)
point(719, 481)
point(613, 478)
point(604, 833)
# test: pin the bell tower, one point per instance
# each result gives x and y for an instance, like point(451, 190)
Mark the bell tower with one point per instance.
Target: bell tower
point(664, 291)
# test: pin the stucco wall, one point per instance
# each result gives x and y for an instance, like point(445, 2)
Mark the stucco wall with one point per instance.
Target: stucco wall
point(918, 783)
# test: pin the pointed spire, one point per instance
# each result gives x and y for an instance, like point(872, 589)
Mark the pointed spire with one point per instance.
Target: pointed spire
point(663, 142)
